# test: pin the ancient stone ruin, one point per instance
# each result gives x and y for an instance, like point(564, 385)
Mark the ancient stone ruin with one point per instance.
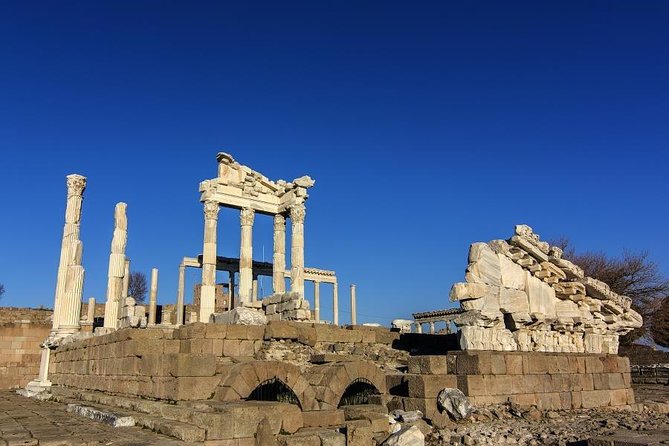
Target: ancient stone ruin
point(246, 369)
point(521, 295)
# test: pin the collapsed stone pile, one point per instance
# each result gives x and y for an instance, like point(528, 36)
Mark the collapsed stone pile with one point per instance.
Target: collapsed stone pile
point(520, 294)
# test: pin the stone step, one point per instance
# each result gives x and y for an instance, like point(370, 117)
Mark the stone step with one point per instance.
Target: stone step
point(102, 416)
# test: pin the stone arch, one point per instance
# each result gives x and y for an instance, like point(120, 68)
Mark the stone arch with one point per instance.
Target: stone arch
point(330, 381)
point(242, 379)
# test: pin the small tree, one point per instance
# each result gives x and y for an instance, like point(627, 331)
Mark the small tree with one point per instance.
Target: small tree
point(660, 327)
point(633, 275)
point(137, 287)
point(2, 290)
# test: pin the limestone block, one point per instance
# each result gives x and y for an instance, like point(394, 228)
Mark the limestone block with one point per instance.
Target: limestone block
point(513, 275)
point(513, 301)
point(239, 315)
point(567, 308)
point(466, 291)
point(430, 364)
point(541, 296)
point(484, 265)
point(116, 265)
point(530, 248)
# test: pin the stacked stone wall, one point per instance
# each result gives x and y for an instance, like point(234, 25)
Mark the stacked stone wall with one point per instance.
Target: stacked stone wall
point(20, 347)
point(32, 315)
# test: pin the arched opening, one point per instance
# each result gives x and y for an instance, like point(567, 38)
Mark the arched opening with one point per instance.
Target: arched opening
point(274, 390)
point(358, 392)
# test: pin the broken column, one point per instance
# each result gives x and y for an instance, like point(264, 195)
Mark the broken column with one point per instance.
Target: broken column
point(117, 267)
point(208, 291)
point(70, 279)
point(153, 297)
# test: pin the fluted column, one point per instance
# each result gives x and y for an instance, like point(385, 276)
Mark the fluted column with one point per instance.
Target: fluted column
point(180, 296)
point(116, 271)
point(208, 290)
point(354, 318)
point(279, 267)
point(246, 218)
point(70, 278)
point(90, 314)
point(335, 304)
point(153, 296)
point(297, 214)
point(317, 301)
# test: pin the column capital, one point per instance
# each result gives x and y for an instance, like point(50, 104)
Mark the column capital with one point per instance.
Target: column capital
point(76, 184)
point(298, 212)
point(211, 210)
point(279, 222)
point(247, 216)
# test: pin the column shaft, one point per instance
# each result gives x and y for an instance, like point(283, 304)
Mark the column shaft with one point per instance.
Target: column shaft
point(431, 327)
point(180, 296)
point(335, 304)
point(153, 297)
point(116, 272)
point(317, 301)
point(297, 214)
point(246, 256)
point(279, 267)
point(90, 313)
point(354, 318)
point(208, 290)
point(255, 290)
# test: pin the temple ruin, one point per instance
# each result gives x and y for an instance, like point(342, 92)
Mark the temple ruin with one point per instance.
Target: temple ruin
point(247, 369)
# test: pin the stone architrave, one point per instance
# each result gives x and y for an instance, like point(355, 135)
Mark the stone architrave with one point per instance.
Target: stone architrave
point(70, 279)
point(208, 291)
point(297, 214)
point(278, 278)
point(247, 215)
point(153, 297)
point(117, 267)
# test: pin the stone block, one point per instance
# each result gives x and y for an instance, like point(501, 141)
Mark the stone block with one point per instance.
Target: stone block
point(514, 363)
point(472, 385)
point(281, 330)
point(595, 398)
point(428, 364)
point(484, 265)
point(593, 364)
point(323, 418)
point(196, 388)
point(192, 365)
point(429, 386)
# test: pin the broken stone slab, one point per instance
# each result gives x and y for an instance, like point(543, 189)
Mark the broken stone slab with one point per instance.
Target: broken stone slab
point(484, 266)
point(531, 249)
point(240, 316)
point(406, 416)
point(407, 436)
point(513, 275)
point(454, 402)
point(110, 418)
point(467, 291)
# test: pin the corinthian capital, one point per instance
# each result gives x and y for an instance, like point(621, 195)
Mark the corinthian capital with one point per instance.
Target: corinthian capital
point(210, 210)
point(75, 185)
point(297, 213)
point(246, 216)
point(279, 222)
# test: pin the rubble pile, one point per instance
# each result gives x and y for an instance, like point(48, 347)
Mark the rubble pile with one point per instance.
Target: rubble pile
point(521, 295)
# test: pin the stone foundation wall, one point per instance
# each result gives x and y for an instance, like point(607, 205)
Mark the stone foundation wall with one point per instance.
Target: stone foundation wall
point(32, 315)
point(20, 348)
point(551, 381)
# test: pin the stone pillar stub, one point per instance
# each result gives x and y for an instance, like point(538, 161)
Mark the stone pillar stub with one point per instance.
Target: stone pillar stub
point(279, 267)
point(297, 215)
point(208, 290)
point(354, 318)
point(153, 297)
point(246, 217)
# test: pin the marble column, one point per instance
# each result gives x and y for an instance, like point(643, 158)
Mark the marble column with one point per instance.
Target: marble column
point(335, 304)
point(90, 313)
point(255, 289)
point(124, 294)
point(297, 214)
point(279, 267)
point(419, 327)
point(431, 327)
point(153, 297)
point(317, 301)
point(208, 290)
point(116, 272)
point(354, 318)
point(69, 281)
point(180, 296)
point(246, 218)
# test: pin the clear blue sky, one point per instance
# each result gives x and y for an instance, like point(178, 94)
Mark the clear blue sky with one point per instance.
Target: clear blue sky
point(427, 126)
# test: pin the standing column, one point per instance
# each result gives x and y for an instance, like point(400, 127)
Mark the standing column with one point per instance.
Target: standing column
point(116, 272)
point(431, 327)
point(419, 327)
point(255, 289)
point(69, 281)
point(354, 319)
point(90, 314)
point(297, 214)
point(180, 296)
point(208, 290)
point(317, 301)
point(246, 218)
point(124, 294)
point(279, 267)
point(335, 304)
point(233, 295)
point(153, 297)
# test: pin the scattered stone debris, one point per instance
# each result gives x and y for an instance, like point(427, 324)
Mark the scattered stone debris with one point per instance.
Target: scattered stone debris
point(454, 402)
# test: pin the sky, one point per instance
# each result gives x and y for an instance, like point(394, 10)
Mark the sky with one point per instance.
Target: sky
point(427, 125)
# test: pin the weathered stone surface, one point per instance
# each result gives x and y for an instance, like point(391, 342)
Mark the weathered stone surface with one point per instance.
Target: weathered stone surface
point(239, 315)
point(408, 436)
point(454, 402)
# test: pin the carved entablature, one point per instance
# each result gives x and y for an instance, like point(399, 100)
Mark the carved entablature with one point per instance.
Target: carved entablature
point(239, 186)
